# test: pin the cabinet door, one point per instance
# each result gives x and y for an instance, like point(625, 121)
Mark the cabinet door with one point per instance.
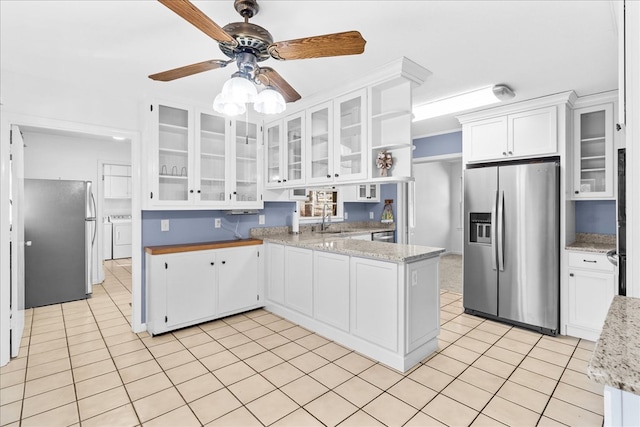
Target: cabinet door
point(172, 171)
point(320, 143)
point(533, 133)
point(331, 289)
point(374, 301)
point(246, 151)
point(237, 278)
point(369, 192)
point(485, 139)
point(211, 160)
point(590, 294)
point(190, 288)
point(273, 154)
point(295, 152)
point(275, 273)
point(298, 293)
point(350, 136)
point(593, 150)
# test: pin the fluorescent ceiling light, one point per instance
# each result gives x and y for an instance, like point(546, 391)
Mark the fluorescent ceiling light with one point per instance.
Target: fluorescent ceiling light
point(119, 138)
point(464, 101)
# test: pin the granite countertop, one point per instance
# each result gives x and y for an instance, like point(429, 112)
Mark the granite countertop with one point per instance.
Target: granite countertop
point(616, 358)
point(337, 241)
point(589, 242)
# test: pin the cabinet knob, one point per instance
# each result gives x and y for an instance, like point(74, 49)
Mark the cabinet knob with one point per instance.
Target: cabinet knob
point(328, 176)
point(577, 192)
point(190, 191)
point(198, 191)
point(570, 274)
point(510, 153)
point(279, 181)
point(212, 263)
point(284, 180)
point(504, 153)
point(224, 262)
point(336, 175)
point(235, 192)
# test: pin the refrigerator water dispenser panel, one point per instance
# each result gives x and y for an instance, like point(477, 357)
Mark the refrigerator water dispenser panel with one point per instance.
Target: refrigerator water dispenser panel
point(480, 227)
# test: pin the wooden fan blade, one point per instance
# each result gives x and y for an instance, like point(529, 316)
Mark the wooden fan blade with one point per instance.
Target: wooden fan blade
point(337, 44)
point(270, 77)
point(197, 18)
point(188, 70)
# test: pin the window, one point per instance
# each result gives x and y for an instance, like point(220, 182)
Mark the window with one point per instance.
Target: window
point(321, 201)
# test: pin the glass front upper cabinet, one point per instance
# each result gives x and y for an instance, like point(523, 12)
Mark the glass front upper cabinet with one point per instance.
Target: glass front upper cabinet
point(320, 150)
point(349, 158)
point(246, 156)
point(295, 149)
point(212, 158)
point(273, 140)
point(593, 128)
point(174, 151)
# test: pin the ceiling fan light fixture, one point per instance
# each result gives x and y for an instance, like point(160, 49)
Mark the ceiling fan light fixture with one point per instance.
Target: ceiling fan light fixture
point(462, 102)
point(269, 101)
point(228, 107)
point(239, 89)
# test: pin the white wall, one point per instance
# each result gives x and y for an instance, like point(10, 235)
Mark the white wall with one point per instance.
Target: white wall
point(437, 204)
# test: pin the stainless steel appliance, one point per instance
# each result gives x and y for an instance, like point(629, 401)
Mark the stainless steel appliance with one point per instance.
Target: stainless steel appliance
point(511, 244)
point(384, 236)
point(622, 223)
point(60, 234)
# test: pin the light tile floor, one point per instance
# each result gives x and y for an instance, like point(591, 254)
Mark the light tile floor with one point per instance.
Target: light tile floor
point(81, 364)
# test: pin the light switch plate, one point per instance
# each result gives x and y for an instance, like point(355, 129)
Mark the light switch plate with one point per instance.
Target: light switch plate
point(217, 223)
point(346, 215)
point(261, 219)
point(164, 225)
point(370, 215)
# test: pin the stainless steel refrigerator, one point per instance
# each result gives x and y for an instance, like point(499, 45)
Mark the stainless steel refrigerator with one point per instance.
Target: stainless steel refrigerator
point(511, 244)
point(60, 234)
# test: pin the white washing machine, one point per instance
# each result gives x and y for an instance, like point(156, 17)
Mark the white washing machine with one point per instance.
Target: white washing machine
point(121, 236)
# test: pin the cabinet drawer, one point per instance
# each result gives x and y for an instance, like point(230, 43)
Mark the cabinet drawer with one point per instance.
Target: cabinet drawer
point(591, 261)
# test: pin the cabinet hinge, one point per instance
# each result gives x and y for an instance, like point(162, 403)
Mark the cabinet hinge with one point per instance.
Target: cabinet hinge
point(261, 197)
point(10, 136)
point(151, 195)
point(258, 254)
point(257, 297)
point(151, 107)
point(166, 266)
point(165, 319)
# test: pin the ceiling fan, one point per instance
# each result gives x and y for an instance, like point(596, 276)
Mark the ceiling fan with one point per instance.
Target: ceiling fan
point(248, 44)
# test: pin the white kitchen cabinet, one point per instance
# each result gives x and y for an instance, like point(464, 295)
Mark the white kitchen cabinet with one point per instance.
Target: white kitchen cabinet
point(319, 151)
point(238, 278)
point(374, 301)
point(521, 134)
point(285, 152)
point(390, 128)
point(350, 136)
point(181, 290)
point(298, 284)
point(591, 288)
point(195, 286)
point(275, 272)
point(593, 152)
point(117, 181)
point(367, 193)
point(331, 289)
point(200, 160)
point(422, 302)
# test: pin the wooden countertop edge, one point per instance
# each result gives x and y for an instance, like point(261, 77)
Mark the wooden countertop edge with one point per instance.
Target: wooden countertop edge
point(190, 247)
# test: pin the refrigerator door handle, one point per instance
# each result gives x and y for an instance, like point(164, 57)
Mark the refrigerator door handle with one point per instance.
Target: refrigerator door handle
point(500, 231)
point(493, 233)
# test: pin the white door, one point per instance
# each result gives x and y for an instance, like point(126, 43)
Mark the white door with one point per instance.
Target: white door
point(17, 239)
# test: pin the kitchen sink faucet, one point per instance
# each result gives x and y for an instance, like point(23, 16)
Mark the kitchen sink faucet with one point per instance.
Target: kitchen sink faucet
point(326, 215)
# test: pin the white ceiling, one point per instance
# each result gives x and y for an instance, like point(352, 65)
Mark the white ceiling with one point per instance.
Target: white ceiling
point(535, 47)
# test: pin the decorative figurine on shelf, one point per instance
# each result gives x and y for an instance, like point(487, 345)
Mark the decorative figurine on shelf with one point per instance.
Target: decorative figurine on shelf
point(387, 211)
point(384, 162)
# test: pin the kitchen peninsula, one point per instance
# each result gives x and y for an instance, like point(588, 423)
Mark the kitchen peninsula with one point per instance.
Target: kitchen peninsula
point(380, 299)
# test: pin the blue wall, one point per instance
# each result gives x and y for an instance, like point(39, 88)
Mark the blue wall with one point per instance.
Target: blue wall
point(596, 216)
point(438, 145)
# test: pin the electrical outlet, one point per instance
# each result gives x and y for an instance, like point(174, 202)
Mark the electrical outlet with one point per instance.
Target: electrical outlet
point(261, 219)
point(370, 215)
point(217, 223)
point(346, 215)
point(164, 225)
